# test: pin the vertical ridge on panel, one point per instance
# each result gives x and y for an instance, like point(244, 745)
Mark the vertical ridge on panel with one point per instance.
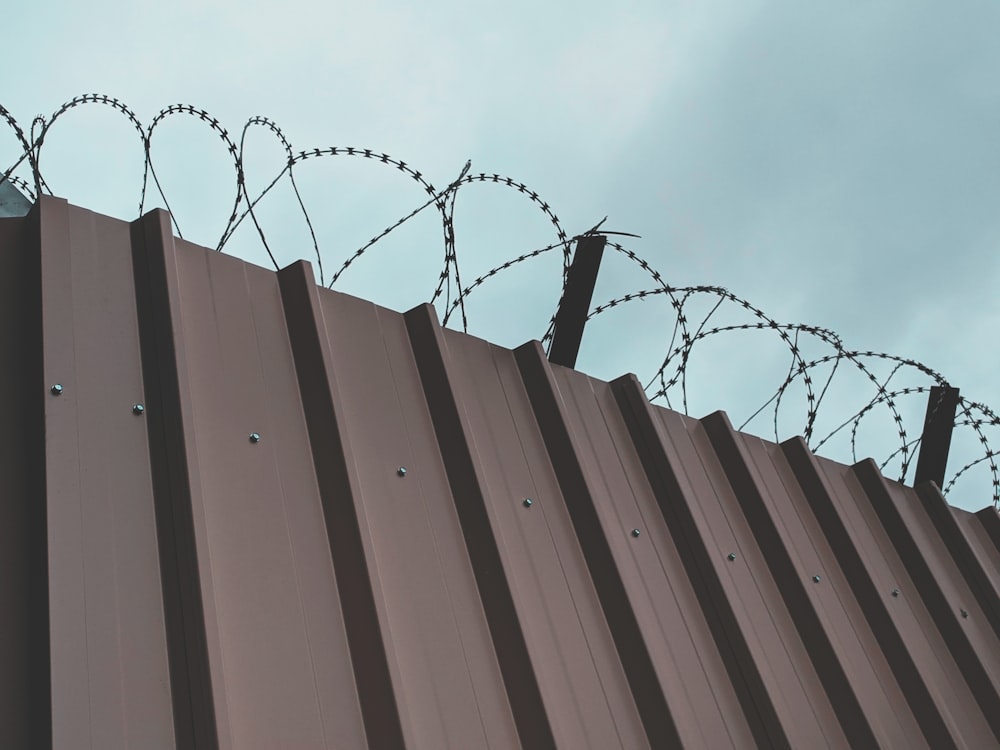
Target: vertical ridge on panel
point(65, 515)
point(937, 731)
point(660, 724)
point(442, 663)
point(828, 659)
point(990, 519)
point(944, 594)
point(157, 301)
point(379, 705)
point(740, 665)
point(283, 662)
point(668, 611)
point(453, 437)
point(780, 657)
point(108, 644)
point(25, 699)
point(984, 528)
point(581, 680)
point(987, 554)
point(964, 556)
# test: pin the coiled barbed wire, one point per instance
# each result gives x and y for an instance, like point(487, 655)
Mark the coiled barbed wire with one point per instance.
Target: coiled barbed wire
point(451, 294)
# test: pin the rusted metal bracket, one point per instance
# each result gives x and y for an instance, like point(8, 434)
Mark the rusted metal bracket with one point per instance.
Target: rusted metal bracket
point(572, 314)
point(936, 438)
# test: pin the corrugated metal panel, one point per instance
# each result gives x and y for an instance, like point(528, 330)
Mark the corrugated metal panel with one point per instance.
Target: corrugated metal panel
point(336, 526)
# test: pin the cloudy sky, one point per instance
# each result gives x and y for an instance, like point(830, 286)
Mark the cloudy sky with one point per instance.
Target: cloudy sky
point(837, 165)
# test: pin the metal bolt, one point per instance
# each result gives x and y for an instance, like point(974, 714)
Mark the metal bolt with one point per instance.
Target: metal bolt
point(636, 532)
point(964, 613)
point(57, 389)
point(816, 579)
point(895, 592)
point(138, 409)
point(731, 556)
point(527, 502)
point(401, 471)
point(254, 437)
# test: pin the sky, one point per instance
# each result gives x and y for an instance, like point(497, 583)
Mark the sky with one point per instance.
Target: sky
point(835, 165)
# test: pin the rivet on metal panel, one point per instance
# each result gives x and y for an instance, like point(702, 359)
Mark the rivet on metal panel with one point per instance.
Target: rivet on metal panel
point(528, 502)
point(731, 556)
point(964, 613)
point(138, 409)
point(254, 437)
point(895, 592)
point(57, 389)
point(816, 579)
point(401, 471)
point(636, 532)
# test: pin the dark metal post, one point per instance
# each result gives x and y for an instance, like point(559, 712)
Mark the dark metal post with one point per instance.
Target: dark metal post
point(572, 314)
point(936, 439)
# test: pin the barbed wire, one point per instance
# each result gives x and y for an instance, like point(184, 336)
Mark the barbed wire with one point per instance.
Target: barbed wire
point(687, 329)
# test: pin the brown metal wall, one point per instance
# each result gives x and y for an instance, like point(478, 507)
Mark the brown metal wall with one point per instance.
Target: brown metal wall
point(436, 542)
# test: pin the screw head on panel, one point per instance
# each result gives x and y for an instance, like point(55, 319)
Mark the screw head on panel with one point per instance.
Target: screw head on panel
point(964, 613)
point(895, 592)
point(401, 471)
point(254, 437)
point(816, 579)
point(138, 409)
point(636, 532)
point(57, 389)
point(731, 556)
point(528, 502)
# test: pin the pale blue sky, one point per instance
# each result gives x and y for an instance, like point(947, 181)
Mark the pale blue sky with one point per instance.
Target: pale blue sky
point(835, 165)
